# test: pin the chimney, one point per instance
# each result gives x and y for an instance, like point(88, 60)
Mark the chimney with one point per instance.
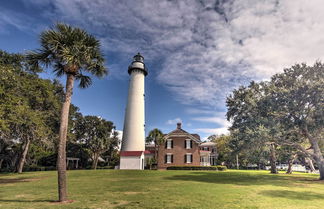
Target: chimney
point(178, 125)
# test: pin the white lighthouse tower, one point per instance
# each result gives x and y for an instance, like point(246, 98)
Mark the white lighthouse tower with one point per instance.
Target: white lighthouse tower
point(133, 142)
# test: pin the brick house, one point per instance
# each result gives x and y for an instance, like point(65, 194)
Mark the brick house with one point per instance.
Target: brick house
point(184, 149)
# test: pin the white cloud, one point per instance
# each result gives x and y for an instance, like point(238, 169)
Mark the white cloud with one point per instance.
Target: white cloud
point(211, 131)
point(206, 48)
point(174, 121)
point(221, 121)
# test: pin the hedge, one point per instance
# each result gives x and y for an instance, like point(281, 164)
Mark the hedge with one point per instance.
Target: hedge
point(208, 168)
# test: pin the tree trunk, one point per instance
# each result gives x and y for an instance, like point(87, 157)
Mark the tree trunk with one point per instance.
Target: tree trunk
point(318, 156)
point(23, 156)
point(156, 152)
point(61, 157)
point(1, 161)
point(273, 159)
point(311, 164)
point(95, 161)
point(290, 163)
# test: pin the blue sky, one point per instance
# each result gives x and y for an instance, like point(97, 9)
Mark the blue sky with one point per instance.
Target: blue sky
point(197, 52)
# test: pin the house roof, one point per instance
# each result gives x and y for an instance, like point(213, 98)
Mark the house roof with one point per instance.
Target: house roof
point(131, 153)
point(179, 132)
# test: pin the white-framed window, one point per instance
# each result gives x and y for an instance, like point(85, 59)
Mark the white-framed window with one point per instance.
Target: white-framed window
point(169, 144)
point(188, 144)
point(169, 158)
point(188, 158)
point(206, 149)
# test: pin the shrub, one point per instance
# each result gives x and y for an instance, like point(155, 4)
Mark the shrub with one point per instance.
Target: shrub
point(221, 167)
point(105, 167)
point(208, 168)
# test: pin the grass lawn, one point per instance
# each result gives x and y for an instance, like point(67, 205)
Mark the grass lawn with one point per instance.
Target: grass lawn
point(163, 189)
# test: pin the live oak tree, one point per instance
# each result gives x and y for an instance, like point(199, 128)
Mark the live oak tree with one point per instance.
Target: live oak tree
point(297, 97)
point(26, 106)
point(97, 134)
point(252, 126)
point(71, 52)
point(286, 111)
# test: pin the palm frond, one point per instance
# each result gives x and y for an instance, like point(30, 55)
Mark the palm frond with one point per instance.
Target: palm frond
point(85, 81)
point(68, 49)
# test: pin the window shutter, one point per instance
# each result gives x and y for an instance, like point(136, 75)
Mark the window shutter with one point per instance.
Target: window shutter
point(165, 158)
point(171, 158)
point(191, 158)
point(166, 144)
point(172, 144)
point(190, 144)
point(185, 158)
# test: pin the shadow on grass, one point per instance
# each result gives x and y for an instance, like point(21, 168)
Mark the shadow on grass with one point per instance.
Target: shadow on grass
point(29, 201)
point(15, 180)
point(292, 195)
point(241, 178)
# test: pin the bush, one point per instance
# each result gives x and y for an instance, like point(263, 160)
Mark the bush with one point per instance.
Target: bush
point(38, 168)
point(34, 168)
point(105, 167)
point(221, 167)
point(208, 168)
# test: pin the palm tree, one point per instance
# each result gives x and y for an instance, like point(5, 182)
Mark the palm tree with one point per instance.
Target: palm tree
point(155, 136)
point(69, 51)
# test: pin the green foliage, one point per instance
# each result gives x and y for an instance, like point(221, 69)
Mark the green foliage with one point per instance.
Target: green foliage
point(96, 134)
point(28, 110)
point(286, 111)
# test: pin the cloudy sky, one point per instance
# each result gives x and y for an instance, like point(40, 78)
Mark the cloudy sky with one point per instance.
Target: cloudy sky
point(197, 52)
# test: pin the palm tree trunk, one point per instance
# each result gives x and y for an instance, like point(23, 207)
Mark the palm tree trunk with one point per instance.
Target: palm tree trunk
point(23, 156)
point(156, 152)
point(61, 157)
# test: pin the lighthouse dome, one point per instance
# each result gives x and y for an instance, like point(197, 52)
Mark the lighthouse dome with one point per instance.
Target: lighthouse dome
point(137, 64)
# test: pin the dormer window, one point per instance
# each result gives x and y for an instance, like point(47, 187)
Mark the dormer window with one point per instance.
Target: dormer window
point(188, 144)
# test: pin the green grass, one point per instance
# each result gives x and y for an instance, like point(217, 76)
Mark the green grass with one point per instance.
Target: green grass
point(163, 189)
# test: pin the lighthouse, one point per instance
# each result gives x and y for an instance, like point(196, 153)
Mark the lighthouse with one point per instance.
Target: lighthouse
point(133, 141)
